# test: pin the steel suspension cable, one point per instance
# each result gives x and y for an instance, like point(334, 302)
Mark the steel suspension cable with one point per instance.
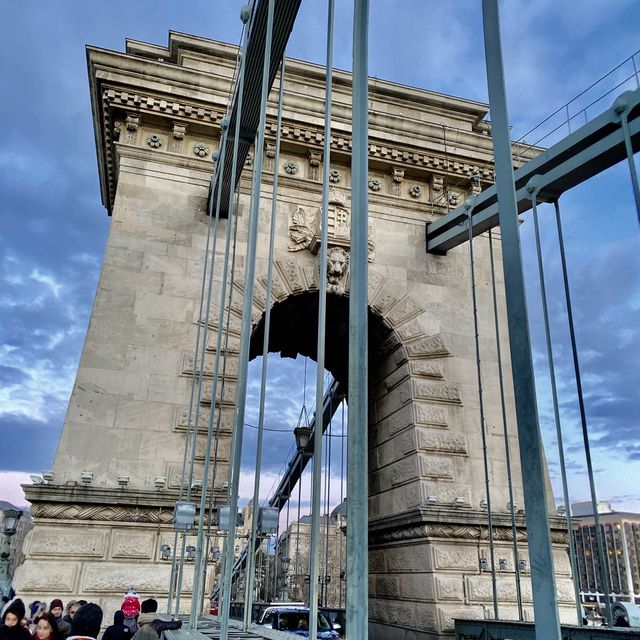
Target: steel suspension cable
point(265, 360)
point(190, 426)
point(198, 371)
point(469, 205)
point(328, 491)
point(342, 448)
point(583, 421)
point(224, 372)
point(241, 398)
point(507, 448)
point(314, 549)
point(554, 398)
point(195, 603)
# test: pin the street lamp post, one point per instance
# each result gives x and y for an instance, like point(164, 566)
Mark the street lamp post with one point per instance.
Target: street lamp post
point(11, 515)
point(285, 561)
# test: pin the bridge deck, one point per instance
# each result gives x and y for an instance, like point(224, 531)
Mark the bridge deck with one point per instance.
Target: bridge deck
point(594, 147)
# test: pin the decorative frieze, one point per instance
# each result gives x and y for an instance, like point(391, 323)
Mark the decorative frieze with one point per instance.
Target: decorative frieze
point(432, 346)
point(441, 441)
point(101, 513)
point(53, 541)
point(118, 577)
point(429, 414)
point(133, 545)
point(426, 390)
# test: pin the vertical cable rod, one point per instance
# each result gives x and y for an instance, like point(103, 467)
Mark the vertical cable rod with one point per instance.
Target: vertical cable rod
point(621, 108)
point(357, 481)
point(507, 448)
point(314, 549)
point(531, 188)
point(328, 496)
point(196, 603)
point(195, 596)
point(192, 429)
point(241, 397)
point(341, 545)
point(583, 422)
point(469, 205)
point(545, 600)
point(251, 549)
point(225, 350)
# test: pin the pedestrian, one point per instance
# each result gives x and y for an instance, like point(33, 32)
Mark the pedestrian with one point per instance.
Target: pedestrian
point(11, 629)
point(86, 622)
point(147, 632)
point(131, 609)
point(47, 628)
point(150, 605)
point(57, 609)
point(118, 630)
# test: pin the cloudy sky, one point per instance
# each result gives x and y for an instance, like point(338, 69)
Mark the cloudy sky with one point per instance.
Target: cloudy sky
point(53, 228)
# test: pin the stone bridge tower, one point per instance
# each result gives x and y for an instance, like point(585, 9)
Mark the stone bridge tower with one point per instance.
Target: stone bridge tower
point(157, 115)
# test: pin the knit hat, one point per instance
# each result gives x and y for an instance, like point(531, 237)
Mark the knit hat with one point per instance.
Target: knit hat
point(56, 603)
point(131, 604)
point(16, 607)
point(87, 621)
point(118, 617)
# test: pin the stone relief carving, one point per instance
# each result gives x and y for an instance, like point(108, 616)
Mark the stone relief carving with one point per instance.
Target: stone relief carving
point(337, 265)
point(133, 545)
point(57, 577)
point(397, 176)
point(442, 442)
point(375, 184)
point(56, 542)
point(291, 167)
point(449, 588)
point(314, 163)
point(334, 176)
point(436, 467)
point(154, 141)
point(302, 228)
point(437, 391)
point(200, 149)
point(474, 181)
point(448, 558)
point(179, 131)
point(415, 191)
point(437, 187)
point(118, 577)
point(132, 121)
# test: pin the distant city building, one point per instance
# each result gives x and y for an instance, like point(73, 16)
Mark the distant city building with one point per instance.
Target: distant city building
point(621, 537)
point(294, 544)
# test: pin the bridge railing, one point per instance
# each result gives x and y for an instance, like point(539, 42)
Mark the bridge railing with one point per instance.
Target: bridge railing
point(507, 630)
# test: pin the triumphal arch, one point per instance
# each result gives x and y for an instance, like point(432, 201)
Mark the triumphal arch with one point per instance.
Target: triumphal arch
point(101, 523)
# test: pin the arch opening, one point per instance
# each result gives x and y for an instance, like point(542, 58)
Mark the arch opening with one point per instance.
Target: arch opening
point(294, 330)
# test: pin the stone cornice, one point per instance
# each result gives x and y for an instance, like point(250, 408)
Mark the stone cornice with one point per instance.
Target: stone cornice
point(79, 502)
point(188, 83)
point(467, 524)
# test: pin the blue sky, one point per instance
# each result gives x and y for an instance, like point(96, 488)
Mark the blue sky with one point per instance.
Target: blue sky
point(53, 228)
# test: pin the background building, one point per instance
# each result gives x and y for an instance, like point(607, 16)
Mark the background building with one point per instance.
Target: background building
point(621, 536)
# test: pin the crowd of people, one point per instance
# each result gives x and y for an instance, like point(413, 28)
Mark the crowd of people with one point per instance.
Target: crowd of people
point(82, 620)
